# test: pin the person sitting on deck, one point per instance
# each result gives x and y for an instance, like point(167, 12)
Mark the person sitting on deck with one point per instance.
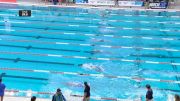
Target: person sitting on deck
point(2, 88)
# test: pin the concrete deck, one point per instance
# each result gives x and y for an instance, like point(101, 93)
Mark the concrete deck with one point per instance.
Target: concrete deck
point(22, 99)
point(10, 98)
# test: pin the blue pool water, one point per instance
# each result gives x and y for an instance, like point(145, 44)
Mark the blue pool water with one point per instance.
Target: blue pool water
point(121, 43)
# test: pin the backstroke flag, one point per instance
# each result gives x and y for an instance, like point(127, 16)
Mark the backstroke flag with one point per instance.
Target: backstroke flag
point(8, 1)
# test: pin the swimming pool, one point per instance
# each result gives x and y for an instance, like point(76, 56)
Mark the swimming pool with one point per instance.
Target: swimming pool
point(59, 47)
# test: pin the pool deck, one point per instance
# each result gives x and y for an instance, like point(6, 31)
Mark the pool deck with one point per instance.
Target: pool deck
point(22, 99)
point(9, 98)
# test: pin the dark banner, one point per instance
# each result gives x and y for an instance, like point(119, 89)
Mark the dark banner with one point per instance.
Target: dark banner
point(158, 5)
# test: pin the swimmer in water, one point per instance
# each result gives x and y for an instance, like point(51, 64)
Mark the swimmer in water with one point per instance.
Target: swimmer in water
point(74, 84)
point(94, 67)
point(98, 40)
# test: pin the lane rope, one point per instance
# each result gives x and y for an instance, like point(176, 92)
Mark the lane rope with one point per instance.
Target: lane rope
point(109, 27)
point(137, 79)
point(103, 35)
point(92, 58)
point(94, 45)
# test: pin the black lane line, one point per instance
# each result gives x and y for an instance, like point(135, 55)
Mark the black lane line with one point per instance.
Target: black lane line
point(24, 77)
point(46, 28)
point(43, 37)
point(21, 77)
point(37, 37)
point(67, 50)
point(31, 47)
point(178, 91)
point(55, 22)
point(35, 61)
point(49, 32)
point(88, 31)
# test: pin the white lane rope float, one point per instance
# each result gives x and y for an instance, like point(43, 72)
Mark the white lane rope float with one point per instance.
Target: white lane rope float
point(29, 93)
point(102, 45)
point(137, 79)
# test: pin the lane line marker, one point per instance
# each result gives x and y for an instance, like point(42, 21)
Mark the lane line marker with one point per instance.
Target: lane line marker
point(105, 46)
point(134, 78)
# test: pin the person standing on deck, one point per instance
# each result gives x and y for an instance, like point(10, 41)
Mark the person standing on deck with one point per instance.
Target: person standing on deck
point(33, 98)
point(149, 94)
point(55, 2)
point(86, 92)
point(116, 2)
point(2, 89)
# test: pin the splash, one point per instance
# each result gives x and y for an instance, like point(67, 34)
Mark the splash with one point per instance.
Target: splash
point(74, 84)
point(91, 66)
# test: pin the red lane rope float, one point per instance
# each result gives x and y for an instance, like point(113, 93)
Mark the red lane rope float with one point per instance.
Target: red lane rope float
point(137, 79)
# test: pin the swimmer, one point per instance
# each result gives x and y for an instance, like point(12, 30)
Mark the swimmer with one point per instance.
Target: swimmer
point(94, 67)
point(98, 40)
point(74, 84)
point(103, 23)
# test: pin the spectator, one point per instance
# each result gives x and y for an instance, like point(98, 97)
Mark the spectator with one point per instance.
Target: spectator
point(58, 96)
point(60, 2)
point(55, 2)
point(2, 89)
point(116, 2)
point(33, 98)
point(149, 94)
point(86, 92)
